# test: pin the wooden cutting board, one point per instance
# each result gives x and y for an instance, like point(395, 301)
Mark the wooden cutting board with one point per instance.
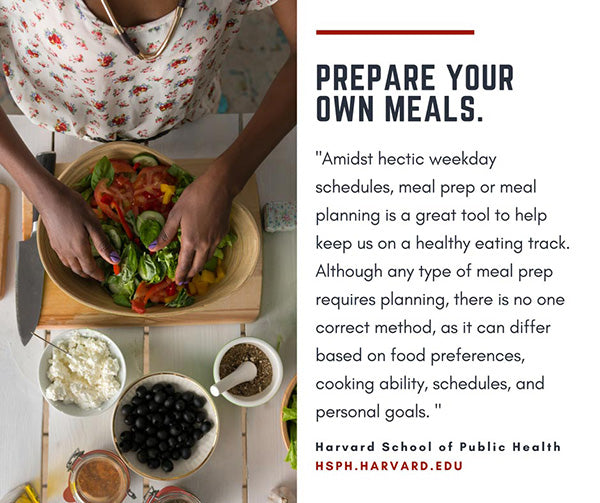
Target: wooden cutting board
point(61, 311)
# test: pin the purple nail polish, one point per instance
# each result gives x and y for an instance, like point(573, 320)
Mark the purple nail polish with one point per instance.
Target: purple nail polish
point(114, 256)
point(153, 244)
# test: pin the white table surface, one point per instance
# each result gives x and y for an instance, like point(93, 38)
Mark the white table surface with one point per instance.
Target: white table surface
point(243, 467)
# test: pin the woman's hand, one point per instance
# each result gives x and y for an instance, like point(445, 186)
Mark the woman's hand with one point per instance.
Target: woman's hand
point(202, 212)
point(71, 224)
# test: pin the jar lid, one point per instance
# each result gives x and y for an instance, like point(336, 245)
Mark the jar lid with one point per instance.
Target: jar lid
point(99, 477)
point(171, 494)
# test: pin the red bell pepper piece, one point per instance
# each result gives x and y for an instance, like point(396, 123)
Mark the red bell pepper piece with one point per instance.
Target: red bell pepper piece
point(124, 223)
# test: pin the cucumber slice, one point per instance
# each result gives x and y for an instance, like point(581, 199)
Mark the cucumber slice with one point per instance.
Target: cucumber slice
point(149, 215)
point(145, 159)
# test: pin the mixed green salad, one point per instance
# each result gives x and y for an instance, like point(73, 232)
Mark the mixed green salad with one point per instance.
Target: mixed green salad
point(133, 198)
point(290, 415)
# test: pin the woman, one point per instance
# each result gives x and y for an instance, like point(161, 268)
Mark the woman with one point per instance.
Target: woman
point(69, 72)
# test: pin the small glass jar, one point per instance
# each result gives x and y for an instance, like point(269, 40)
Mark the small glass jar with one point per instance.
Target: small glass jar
point(97, 477)
point(170, 494)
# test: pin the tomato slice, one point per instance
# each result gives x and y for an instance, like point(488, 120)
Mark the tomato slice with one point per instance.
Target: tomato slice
point(120, 191)
point(154, 293)
point(122, 166)
point(146, 189)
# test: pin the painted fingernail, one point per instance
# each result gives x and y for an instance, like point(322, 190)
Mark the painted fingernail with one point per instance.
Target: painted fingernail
point(114, 257)
point(153, 244)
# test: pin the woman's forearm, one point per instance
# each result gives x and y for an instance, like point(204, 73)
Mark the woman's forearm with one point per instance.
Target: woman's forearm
point(275, 117)
point(37, 184)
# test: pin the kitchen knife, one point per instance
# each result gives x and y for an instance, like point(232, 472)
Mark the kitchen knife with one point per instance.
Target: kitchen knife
point(30, 271)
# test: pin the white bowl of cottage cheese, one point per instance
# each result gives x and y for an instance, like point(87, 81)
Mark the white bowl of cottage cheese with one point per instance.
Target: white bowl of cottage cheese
point(89, 380)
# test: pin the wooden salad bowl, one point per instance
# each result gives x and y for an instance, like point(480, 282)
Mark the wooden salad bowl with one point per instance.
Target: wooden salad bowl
point(285, 402)
point(239, 262)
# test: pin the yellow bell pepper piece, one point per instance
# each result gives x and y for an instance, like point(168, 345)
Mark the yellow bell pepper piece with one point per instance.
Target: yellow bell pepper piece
point(208, 276)
point(192, 288)
point(168, 192)
point(202, 287)
point(220, 273)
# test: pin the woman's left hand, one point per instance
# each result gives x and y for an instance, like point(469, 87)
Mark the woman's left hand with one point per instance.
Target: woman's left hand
point(202, 212)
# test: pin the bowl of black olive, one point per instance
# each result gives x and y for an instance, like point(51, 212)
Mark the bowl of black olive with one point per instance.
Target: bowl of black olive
point(165, 426)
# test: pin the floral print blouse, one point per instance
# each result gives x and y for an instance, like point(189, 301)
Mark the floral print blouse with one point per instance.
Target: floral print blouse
point(68, 72)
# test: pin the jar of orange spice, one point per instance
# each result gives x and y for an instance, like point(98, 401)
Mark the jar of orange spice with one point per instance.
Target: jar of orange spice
point(97, 477)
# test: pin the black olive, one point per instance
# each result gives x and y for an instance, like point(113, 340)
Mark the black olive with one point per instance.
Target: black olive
point(163, 446)
point(197, 433)
point(150, 431)
point(186, 453)
point(181, 439)
point(151, 442)
point(169, 389)
point(126, 409)
point(180, 405)
point(136, 400)
point(188, 396)
point(141, 391)
point(199, 401)
point(135, 446)
point(130, 419)
point(142, 456)
point(190, 442)
point(167, 465)
point(158, 387)
point(175, 454)
point(126, 435)
point(133, 429)
point(201, 416)
point(189, 416)
point(142, 409)
point(172, 442)
point(125, 445)
point(206, 426)
point(169, 402)
point(141, 422)
point(175, 430)
point(139, 437)
point(162, 434)
point(153, 464)
point(152, 405)
point(168, 420)
point(160, 396)
point(153, 453)
point(177, 396)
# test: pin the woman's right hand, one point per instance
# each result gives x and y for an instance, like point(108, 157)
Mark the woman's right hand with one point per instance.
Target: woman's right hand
point(71, 223)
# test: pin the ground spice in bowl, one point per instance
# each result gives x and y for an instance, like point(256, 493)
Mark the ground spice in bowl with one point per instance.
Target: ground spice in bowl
point(239, 354)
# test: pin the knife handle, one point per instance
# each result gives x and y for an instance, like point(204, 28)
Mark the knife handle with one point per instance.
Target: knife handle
point(48, 162)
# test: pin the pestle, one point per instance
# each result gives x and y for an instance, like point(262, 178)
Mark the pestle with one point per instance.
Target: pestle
point(244, 373)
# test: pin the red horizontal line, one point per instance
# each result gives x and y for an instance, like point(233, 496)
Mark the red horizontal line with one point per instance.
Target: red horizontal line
point(395, 32)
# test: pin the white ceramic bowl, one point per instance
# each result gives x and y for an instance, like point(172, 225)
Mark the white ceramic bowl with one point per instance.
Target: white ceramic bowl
point(72, 409)
point(268, 393)
point(201, 451)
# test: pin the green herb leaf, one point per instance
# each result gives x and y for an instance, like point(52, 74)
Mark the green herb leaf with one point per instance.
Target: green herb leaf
point(150, 270)
point(168, 258)
point(118, 286)
point(129, 262)
point(183, 177)
point(83, 184)
point(211, 265)
point(102, 169)
point(87, 193)
point(121, 300)
point(183, 299)
point(292, 455)
point(149, 231)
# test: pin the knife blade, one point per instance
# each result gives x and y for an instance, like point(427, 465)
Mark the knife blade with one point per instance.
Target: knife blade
point(29, 286)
